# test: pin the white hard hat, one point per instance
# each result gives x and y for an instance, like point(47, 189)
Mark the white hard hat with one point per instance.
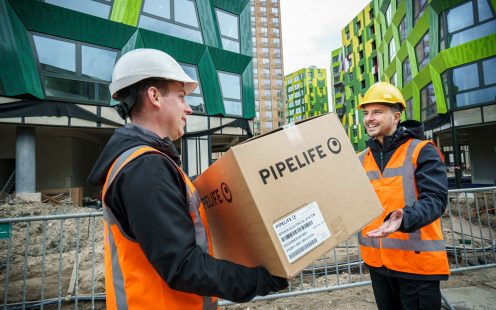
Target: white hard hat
point(144, 63)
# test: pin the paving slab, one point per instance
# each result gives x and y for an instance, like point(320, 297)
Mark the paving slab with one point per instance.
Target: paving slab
point(471, 297)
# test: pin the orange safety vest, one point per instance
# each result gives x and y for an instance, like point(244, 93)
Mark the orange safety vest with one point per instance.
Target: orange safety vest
point(420, 252)
point(131, 282)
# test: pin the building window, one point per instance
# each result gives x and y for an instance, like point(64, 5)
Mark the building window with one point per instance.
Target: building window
point(176, 18)
point(407, 72)
point(442, 33)
point(90, 7)
point(469, 21)
point(446, 88)
point(422, 51)
point(229, 30)
point(195, 99)
point(74, 71)
point(402, 29)
point(428, 108)
point(418, 9)
point(392, 50)
point(394, 79)
point(389, 15)
point(230, 85)
point(409, 109)
point(475, 83)
point(358, 26)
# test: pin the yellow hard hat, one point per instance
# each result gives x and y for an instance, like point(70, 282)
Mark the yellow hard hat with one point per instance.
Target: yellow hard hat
point(383, 92)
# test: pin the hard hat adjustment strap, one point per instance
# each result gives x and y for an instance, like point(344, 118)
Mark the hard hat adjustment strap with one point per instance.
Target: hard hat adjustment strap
point(126, 103)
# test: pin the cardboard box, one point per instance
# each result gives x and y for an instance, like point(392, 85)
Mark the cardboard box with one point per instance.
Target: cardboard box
point(284, 199)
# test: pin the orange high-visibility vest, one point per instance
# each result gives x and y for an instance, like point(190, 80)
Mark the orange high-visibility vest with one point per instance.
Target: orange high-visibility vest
point(131, 282)
point(420, 252)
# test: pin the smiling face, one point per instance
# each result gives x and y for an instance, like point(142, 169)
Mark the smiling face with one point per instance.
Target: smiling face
point(380, 120)
point(173, 111)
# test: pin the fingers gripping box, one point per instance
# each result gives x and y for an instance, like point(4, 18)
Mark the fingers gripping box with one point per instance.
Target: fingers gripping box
point(284, 199)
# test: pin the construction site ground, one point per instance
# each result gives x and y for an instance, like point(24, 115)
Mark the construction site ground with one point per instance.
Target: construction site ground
point(474, 289)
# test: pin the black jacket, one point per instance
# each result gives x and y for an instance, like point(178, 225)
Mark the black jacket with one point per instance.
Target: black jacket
point(431, 180)
point(148, 198)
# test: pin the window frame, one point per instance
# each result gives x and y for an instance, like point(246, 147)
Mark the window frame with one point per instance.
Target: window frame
point(422, 7)
point(421, 63)
point(425, 106)
point(448, 36)
point(240, 100)
point(409, 77)
point(199, 88)
point(238, 41)
point(78, 73)
point(172, 20)
point(110, 3)
point(403, 30)
point(451, 92)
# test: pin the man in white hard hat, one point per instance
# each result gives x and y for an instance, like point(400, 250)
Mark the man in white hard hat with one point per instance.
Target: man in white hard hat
point(158, 253)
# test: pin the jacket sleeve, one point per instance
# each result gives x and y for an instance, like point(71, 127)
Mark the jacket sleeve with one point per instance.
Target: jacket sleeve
point(153, 196)
point(432, 184)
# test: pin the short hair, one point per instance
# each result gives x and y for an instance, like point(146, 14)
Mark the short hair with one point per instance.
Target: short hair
point(397, 107)
point(142, 91)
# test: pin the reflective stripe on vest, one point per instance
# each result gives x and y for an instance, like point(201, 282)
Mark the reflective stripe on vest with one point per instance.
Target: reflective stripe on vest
point(201, 237)
point(407, 174)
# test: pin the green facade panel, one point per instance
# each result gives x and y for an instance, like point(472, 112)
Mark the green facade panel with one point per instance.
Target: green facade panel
point(208, 23)
point(136, 41)
point(210, 85)
point(182, 50)
point(246, 40)
point(248, 96)
point(18, 72)
point(70, 24)
point(126, 12)
point(235, 7)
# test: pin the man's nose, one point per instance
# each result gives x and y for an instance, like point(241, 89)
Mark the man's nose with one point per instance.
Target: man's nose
point(188, 109)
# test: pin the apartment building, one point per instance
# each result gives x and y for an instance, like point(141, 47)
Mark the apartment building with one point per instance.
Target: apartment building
point(267, 65)
point(306, 93)
point(442, 55)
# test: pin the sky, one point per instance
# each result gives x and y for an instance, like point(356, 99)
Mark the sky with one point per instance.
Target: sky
point(311, 29)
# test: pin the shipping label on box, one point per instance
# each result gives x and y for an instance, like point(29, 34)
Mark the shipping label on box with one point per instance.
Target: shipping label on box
point(301, 231)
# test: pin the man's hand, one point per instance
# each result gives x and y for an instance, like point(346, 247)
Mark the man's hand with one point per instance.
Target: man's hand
point(389, 226)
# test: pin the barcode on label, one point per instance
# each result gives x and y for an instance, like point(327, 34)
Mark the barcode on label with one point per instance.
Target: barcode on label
point(294, 232)
point(303, 248)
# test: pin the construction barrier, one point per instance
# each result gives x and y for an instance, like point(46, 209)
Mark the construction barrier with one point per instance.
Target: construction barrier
point(57, 260)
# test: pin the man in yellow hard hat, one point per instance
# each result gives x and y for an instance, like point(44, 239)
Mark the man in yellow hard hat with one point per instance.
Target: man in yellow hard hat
point(157, 248)
point(404, 247)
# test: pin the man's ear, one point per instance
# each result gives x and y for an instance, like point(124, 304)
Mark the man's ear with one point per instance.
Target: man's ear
point(397, 117)
point(153, 95)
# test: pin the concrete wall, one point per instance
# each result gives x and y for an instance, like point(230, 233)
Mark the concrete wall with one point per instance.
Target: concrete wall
point(482, 144)
point(7, 153)
point(7, 142)
point(53, 161)
point(65, 162)
point(84, 156)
